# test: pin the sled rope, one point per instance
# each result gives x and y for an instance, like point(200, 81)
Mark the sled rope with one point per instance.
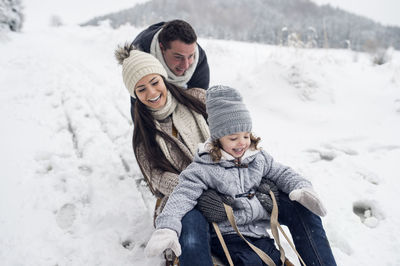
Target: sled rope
point(264, 257)
point(223, 244)
point(274, 229)
point(274, 223)
point(291, 244)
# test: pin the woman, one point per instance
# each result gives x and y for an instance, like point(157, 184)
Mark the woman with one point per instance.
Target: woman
point(169, 124)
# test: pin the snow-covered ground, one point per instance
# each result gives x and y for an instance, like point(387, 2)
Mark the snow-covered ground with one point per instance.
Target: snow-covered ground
point(71, 192)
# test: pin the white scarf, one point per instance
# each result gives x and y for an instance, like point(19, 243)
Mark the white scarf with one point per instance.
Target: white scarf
point(180, 81)
point(191, 126)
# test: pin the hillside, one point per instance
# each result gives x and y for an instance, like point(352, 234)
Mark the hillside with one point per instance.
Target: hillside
point(71, 192)
point(283, 22)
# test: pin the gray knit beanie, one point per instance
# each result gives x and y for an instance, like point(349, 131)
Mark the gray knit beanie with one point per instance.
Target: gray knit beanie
point(227, 114)
point(138, 65)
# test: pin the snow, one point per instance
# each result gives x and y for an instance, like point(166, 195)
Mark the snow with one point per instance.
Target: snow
point(71, 192)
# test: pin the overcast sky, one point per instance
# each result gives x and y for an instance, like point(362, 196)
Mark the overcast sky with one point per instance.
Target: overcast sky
point(386, 12)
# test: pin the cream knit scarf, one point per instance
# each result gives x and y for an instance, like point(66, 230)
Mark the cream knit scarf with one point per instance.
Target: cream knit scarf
point(191, 126)
point(180, 81)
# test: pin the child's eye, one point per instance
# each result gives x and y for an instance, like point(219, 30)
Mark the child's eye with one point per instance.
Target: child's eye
point(233, 139)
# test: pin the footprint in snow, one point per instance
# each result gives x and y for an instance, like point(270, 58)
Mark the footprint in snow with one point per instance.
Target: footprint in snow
point(329, 152)
point(128, 244)
point(369, 212)
point(85, 169)
point(397, 104)
point(384, 148)
point(323, 154)
point(370, 177)
point(66, 216)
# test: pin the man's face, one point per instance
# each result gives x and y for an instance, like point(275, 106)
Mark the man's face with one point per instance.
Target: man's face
point(179, 56)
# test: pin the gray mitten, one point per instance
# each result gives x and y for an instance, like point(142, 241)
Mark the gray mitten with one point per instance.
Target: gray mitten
point(211, 205)
point(263, 195)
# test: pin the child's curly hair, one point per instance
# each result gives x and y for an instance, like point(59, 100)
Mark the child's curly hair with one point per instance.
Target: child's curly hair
point(215, 147)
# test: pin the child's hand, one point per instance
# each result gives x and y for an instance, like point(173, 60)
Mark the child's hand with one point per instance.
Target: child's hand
point(161, 240)
point(309, 199)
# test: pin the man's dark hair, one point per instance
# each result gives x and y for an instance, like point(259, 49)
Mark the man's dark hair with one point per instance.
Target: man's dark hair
point(176, 30)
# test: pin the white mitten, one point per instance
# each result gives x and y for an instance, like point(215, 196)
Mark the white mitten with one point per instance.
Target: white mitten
point(160, 240)
point(309, 199)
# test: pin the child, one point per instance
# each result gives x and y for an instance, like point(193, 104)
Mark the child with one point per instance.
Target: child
point(231, 163)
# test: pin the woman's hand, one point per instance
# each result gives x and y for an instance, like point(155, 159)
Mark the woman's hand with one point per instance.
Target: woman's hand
point(161, 240)
point(263, 195)
point(211, 205)
point(309, 199)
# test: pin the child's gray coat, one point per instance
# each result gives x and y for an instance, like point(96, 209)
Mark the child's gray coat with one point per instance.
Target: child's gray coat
point(252, 219)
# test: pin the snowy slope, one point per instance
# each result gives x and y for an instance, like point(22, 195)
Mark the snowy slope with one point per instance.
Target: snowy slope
point(71, 192)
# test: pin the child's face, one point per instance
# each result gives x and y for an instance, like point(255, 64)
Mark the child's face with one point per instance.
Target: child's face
point(236, 144)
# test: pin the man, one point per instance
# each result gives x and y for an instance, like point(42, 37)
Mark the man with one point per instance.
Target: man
point(174, 44)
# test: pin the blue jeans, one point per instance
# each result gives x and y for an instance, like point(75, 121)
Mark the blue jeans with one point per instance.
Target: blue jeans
point(307, 232)
point(242, 254)
point(305, 227)
point(195, 240)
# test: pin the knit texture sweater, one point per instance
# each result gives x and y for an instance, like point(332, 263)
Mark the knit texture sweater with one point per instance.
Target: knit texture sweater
point(162, 181)
point(229, 179)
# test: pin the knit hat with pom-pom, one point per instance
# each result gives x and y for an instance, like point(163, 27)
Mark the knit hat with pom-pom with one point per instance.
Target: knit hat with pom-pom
point(138, 64)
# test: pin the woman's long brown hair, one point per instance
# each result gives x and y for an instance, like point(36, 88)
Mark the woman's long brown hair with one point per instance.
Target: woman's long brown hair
point(145, 131)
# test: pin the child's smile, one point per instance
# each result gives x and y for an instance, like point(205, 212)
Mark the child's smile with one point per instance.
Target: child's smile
point(236, 144)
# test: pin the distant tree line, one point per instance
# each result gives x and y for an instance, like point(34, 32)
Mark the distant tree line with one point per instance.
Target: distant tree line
point(286, 22)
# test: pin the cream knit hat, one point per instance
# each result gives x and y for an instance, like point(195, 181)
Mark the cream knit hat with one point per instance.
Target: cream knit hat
point(138, 65)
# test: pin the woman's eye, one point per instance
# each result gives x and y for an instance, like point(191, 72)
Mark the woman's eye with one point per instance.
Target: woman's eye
point(233, 139)
point(154, 83)
point(140, 89)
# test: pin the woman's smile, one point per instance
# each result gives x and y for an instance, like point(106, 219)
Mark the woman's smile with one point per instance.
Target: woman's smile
point(153, 100)
point(151, 91)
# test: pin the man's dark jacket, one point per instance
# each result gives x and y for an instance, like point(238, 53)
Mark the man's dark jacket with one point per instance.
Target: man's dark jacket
point(201, 75)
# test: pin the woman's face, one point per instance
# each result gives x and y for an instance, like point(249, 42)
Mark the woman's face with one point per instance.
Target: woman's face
point(151, 91)
point(236, 144)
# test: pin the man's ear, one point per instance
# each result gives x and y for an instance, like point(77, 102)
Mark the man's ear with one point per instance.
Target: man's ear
point(161, 46)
